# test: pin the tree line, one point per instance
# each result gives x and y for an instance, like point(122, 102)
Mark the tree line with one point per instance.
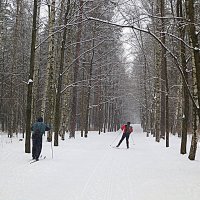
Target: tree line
point(167, 65)
point(57, 64)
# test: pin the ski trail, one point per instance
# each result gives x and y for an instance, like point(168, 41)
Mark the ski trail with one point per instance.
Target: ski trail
point(109, 191)
point(129, 185)
point(105, 179)
point(101, 178)
point(108, 194)
point(89, 169)
point(93, 173)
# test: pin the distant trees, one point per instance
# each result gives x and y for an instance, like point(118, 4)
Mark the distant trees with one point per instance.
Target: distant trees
point(170, 42)
point(70, 69)
point(14, 58)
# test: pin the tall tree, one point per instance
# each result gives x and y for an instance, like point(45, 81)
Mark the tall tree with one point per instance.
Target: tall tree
point(163, 76)
point(57, 113)
point(30, 80)
point(75, 73)
point(184, 65)
point(189, 4)
point(48, 98)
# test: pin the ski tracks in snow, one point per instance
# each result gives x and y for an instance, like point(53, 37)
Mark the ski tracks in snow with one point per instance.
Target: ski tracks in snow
point(93, 183)
point(110, 178)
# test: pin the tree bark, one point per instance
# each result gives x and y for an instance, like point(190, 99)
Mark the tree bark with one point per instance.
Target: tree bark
point(183, 149)
point(30, 81)
point(75, 75)
point(89, 89)
point(194, 142)
point(163, 74)
point(195, 43)
point(49, 92)
point(59, 84)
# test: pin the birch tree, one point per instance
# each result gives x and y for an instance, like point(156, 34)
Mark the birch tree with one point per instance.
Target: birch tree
point(48, 98)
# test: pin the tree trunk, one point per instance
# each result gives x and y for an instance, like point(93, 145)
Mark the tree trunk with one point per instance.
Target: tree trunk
point(183, 149)
point(89, 89)
point(75, 75)
point(65, 96)
point(196, 71)
point(48, 98)
point(194, 142)
point(195, 43)
point(59, 84)
point(50, 62)
point(36, 108)
point(30, 81)
point(163, 74)
point(82, 102)
point(157, 80)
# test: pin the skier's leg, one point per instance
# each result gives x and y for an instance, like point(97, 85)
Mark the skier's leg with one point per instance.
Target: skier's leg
point(33, 148)
point(39, 146)
point(127, 140)
point(123, 136)
point(37, 152)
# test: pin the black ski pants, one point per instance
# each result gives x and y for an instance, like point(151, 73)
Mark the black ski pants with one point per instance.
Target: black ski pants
point(36, 145)
point(124, 135)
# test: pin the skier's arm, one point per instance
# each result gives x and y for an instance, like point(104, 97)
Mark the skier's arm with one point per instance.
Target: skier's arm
point(47, 128)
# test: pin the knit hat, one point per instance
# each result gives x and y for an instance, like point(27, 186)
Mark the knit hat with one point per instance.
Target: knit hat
point(40, 119)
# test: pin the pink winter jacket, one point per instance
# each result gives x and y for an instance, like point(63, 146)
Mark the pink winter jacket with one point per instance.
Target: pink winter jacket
point(124, 128)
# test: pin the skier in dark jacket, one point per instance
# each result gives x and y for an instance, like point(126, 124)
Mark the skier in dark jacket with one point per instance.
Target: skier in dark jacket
point(126, 131)
point(38, 129)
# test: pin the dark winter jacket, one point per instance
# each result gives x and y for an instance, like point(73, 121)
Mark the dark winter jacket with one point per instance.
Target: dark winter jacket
point(41, 126)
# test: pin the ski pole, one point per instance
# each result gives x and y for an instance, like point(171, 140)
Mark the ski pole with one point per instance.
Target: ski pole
point(115, 139)
point(51, 149)
point(132, 140)
point(51, 144)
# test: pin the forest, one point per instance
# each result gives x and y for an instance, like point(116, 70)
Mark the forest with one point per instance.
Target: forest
point(95, 64)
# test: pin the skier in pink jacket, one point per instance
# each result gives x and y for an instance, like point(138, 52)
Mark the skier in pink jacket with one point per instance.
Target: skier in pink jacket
point(126, 131)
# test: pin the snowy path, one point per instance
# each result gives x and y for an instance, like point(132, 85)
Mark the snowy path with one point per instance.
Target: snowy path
point(89, 169)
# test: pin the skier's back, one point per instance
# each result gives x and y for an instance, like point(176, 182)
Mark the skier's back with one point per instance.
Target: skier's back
point(38, 129)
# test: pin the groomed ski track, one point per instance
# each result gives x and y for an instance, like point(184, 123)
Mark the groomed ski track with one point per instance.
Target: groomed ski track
point(90, 169)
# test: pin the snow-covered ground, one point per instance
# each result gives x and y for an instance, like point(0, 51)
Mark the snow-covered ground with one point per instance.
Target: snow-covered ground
point(90, 169)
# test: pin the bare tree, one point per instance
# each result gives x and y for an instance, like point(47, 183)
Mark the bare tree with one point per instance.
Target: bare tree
point(57, 113)
point(75, 73)
point(30, 80)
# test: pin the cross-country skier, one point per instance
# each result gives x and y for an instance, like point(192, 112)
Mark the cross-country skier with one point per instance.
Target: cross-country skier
point(38, 129)
point(126, 131)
